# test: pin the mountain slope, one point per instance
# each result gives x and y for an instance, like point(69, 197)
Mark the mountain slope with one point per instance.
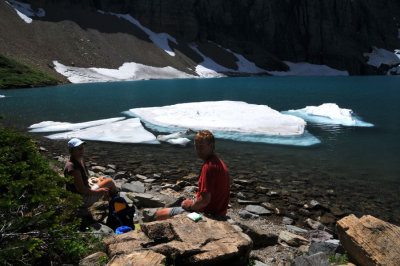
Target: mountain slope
point(335, 33)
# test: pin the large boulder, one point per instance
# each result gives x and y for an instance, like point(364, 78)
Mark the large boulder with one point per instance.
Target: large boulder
point(183, 242)
point(370, 241)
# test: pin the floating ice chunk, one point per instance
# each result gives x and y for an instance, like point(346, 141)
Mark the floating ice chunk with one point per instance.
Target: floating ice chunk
point(2, 96)
point(128, 71)
point(177, 137)
point(329, 113)
point(125, 131)
point(225, 116)
point(25, 11)
point(380, 57)
point(307, 69)
point(159, 39)
point(179, 141)
point(50, 126)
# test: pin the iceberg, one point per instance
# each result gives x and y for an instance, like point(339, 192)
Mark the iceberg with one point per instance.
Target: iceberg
point(229, 116)
point(228, 119)
point(2, 96)
point(329, 113)
point(111, 130)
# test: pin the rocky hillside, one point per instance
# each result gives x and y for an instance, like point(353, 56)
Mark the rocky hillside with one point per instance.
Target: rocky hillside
point(335, 33)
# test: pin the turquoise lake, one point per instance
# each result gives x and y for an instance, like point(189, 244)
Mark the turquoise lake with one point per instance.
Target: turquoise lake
point(366, 157)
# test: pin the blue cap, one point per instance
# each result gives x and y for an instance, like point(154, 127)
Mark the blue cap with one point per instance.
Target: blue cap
point(75, 143)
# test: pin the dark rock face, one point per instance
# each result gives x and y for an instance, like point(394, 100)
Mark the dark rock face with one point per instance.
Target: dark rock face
point(331, 32)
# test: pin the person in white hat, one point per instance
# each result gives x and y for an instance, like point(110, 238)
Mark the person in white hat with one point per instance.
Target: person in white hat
point(76, 168)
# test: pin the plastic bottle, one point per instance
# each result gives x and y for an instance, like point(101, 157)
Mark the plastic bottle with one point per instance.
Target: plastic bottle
point(136, 221)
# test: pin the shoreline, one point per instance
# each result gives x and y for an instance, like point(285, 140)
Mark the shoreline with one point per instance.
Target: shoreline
point(276, 184)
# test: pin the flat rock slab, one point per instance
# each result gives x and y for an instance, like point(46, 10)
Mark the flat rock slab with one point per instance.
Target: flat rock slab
point(370, 241)
point(206, 242)
point(139, 258)
point(135, 186)
point(257, 210)
point(292, 239)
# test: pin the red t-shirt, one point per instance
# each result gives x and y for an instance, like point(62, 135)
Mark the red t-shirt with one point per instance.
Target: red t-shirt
point(214, 178)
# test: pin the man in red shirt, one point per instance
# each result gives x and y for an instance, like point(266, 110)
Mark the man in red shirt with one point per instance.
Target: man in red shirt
point(214, 183)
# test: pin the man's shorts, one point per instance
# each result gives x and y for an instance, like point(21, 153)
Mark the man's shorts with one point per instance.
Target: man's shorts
point(176, 210)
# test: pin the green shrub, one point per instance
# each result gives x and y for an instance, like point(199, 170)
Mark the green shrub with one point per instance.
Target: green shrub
point(16, 75)
point(37, 215)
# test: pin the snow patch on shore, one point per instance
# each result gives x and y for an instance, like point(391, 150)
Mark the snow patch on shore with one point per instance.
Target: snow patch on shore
point(25, 11)
point(111, 130)
point(307, 69)
point(159, 39)
point(128, 71)
point(329, 113)
point(209, 68)
point(380, 57)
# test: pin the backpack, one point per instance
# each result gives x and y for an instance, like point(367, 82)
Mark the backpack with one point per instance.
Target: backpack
point(120, 213)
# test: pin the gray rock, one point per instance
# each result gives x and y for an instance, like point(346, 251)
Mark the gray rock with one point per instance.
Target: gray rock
point(92, 259)
point(157, 176)
point(287, 220)
point(319, 259)
point(98, 169)
point(149, 214)
point(296, 229)
point(248, 215)
point(257, 210)
point(241, 196)
point(247, 202)
point(260, 238)
point(120, 175)
point(148, 200)
point(150, 180)
point(318, 236)
point(112, 166)
point(100, 230)
point(126, 197)
point(135, 186)
point(171, 186)
point(142, 177)
point(109, 171)
point(314, 224)
point(325, 247)
point(190, 190)
point(273, 194)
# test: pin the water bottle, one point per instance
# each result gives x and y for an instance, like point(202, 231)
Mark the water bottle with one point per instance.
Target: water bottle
point(136, 221)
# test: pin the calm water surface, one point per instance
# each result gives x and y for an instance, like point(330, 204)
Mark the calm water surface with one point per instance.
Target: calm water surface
point(360, 164)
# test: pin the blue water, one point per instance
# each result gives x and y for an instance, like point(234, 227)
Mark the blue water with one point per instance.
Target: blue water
point(368, 155)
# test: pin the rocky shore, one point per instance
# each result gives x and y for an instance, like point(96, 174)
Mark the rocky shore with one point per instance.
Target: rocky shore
point(283, 222)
